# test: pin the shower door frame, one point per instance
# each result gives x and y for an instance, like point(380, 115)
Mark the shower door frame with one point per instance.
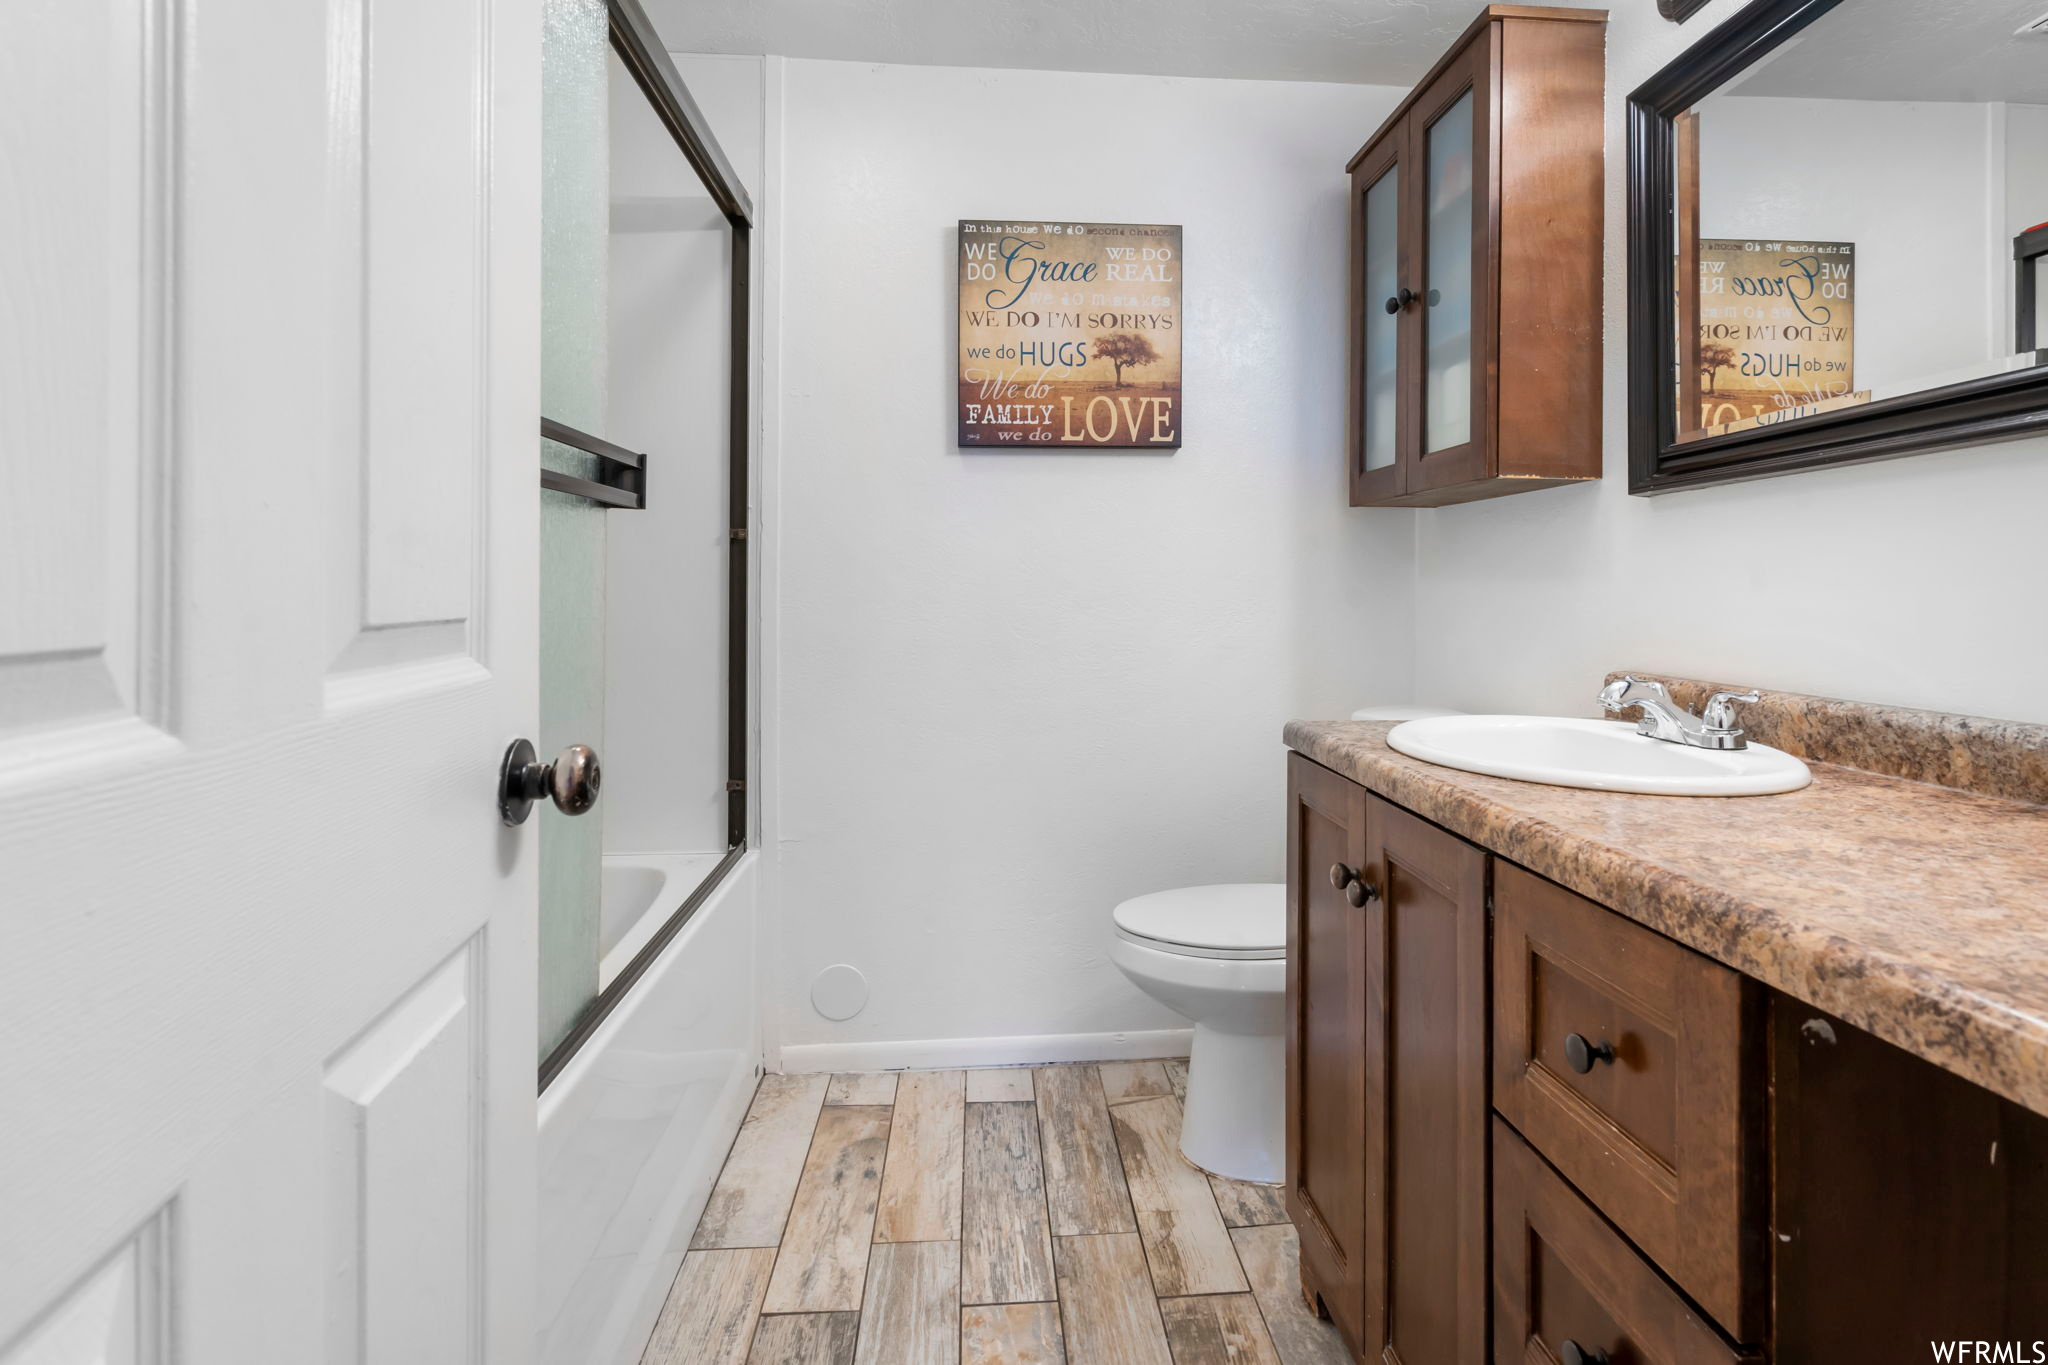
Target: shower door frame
point(639, 48)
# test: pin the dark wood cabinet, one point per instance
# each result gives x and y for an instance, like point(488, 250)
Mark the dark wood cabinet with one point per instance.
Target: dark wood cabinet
point(1326, 1044)
point(1477, 222)
point(1662, 1129)
point(1518, 1119)
point(1386, 1072)
point(1908, 1206)
point(1425, 1088)
point(1563, 1275)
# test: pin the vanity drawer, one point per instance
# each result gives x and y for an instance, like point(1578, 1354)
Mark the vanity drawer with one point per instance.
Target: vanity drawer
point(1662, 1129)
point(1561, 1274)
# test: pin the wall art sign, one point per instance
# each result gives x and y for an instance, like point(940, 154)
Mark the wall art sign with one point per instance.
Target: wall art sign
point(1777, 331)
point(1069, 335)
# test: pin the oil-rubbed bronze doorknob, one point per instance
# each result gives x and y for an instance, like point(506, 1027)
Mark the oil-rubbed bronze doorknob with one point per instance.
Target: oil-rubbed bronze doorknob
point(1581, 1055)
point(1571, 1353)
point(1397, 302)
point(1341, 876)
point(571, 781)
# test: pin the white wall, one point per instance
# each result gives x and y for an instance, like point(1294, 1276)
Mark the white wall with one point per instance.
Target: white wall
point(1918, 582)
point(1015, 689)
point(666, 656)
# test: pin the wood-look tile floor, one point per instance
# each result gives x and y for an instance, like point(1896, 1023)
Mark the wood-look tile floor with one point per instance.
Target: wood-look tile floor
point(1010, 1216)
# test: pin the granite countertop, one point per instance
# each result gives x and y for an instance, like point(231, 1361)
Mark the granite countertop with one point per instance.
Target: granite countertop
point(1915, 911)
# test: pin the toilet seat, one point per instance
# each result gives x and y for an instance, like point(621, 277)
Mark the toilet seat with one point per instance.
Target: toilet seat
point(1240, 921)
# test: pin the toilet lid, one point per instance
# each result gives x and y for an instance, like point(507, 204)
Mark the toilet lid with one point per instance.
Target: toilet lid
point(1239, 918)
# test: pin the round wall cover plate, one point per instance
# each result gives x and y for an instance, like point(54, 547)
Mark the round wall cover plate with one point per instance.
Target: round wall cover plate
point(839, 992)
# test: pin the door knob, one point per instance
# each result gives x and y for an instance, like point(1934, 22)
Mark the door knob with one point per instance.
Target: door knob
point(571, 781)
point(1401, 300)
point(1574, 1354)
point(1581, 1055)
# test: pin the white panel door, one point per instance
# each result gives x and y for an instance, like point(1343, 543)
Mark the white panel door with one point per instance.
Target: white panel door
point(268, 497)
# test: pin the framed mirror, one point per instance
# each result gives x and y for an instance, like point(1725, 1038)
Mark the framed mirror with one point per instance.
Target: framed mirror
point(1837, 211)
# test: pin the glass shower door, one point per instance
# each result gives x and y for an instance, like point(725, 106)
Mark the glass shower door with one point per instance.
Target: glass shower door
point(574, 346)
point(643, 467)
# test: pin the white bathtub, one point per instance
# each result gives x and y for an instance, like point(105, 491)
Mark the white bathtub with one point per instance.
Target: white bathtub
point(634, 1129)
point(639, 892)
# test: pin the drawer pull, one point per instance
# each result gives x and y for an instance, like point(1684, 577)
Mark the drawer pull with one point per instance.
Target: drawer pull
point(1574, 1354)
point(1356, 889)
point(1581, 1055)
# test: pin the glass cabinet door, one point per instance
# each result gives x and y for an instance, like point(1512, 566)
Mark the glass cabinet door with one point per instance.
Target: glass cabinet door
point(1448, 282)
point(1379, 342)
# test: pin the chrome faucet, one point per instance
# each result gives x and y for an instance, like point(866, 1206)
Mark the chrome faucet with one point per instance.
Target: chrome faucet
point(1663, 718)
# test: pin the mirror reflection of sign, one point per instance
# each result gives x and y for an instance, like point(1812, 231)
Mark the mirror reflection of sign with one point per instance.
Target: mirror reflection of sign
point(1069, 335)
point(1777, 331)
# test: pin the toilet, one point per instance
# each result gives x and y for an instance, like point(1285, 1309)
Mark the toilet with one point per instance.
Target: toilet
point(1218, 954)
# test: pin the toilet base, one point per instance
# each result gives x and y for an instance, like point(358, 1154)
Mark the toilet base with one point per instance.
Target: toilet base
point(1236, 1107)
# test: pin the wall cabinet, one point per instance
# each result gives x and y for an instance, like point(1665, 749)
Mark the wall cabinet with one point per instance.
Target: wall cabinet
point(1524, 1128)
point(1476, 225)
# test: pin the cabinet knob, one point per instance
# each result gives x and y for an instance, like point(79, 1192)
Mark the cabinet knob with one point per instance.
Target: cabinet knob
point(1574, 1354)
point(1581, 1055)
point(1355, 888)
point(1400, 300)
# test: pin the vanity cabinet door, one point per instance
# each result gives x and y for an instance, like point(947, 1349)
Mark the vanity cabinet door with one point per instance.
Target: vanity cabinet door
point(1326, 1014)
point(1425, 1093)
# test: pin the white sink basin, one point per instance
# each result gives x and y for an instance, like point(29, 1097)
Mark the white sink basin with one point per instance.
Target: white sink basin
point(1600, 754)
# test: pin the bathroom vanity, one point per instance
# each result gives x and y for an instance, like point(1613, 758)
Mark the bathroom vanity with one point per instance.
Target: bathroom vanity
point(1584, 1076)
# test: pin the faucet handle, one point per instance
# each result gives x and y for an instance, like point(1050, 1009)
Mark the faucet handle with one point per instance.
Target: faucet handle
point(1615, 696)
point(1719, 712)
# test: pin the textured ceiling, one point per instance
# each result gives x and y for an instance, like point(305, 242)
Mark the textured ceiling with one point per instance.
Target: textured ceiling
point(1863, 49)
point(1944, 50)
point(1374, 42)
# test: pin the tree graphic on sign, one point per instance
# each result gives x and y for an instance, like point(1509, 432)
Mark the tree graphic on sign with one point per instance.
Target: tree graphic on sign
point(1123, 349)
point(1715, 357)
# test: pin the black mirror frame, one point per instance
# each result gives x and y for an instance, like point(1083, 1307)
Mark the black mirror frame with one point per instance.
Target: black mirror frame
point(1995, 407)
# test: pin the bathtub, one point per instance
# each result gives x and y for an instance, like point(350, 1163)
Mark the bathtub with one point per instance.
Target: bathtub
point(634, 1129)
point(637, 895)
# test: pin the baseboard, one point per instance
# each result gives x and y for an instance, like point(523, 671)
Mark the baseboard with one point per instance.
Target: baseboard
point(963, 1052)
